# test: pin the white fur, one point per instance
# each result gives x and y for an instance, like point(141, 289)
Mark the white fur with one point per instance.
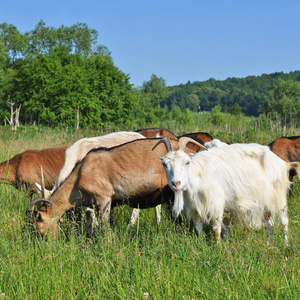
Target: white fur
point(245, 180)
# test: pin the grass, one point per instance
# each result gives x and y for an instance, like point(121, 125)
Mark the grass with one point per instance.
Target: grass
point(147, 262)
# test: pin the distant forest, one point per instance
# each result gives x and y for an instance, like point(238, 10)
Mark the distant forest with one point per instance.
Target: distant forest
point(249, 93)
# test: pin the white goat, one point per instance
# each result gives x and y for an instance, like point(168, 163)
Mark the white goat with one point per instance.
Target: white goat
point(215, 143)
point(246, 180)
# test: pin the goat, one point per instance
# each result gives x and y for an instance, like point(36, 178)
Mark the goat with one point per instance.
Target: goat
point(76, 152)
point(24, 169)
point(105, 178)
point(151, 133)
point(200, 137)
point(246, 180)
point(156, 133)
point(287, 148)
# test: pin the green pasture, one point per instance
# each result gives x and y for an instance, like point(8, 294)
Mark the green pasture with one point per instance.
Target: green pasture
point(149, 261)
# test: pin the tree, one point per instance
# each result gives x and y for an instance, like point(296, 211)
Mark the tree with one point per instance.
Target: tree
point(63, 77)
point(13, 40)
point(156, 88)
point(78, 38)
point(218, 117)
point(235, 110)
point(57, 86)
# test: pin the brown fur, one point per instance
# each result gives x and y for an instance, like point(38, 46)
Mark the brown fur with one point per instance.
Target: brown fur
point(288, 149)
point(200, 137)
point(156, 133)
point(107, 177)
point(25, 168)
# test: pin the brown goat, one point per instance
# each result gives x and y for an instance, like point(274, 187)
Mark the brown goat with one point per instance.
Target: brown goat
point(105, 178)
point(24, 169)
point(200, 137)
point(288, 149)
point(156, 133)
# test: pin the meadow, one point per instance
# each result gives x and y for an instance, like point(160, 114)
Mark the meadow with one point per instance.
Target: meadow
point(149, 261)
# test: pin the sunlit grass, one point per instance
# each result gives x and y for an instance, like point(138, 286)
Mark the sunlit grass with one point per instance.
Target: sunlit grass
point(147, 262)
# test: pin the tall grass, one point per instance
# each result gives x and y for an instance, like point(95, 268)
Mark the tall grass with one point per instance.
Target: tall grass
point(148, 262)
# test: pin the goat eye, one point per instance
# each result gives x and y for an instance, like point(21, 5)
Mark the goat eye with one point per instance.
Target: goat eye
point(187, 163)
point(164, 164)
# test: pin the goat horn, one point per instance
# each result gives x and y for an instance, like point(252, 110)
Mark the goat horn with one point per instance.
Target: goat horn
point(42, 183)
point(33, 203)
point(166, 142)
point(184, 140)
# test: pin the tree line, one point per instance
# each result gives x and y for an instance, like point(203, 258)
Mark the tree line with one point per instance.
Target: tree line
point(253, 94)
point(62, 76)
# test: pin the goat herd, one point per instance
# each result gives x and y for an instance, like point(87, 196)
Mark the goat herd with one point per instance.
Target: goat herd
point(205, 178)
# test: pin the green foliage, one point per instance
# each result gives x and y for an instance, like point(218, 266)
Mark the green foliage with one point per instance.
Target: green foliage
point(13, 40)
point(235, 110)
point(249, 93)
point(58, 74)
point(61, 72)
point(283, 101)
point(52, 88)
point(77, 39)
point(156, 89)
point(217, 117)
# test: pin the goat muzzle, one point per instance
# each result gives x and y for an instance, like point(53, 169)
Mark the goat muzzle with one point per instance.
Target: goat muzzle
point(176, 184)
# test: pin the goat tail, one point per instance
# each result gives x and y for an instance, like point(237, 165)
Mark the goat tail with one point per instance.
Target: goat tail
point(295, 166)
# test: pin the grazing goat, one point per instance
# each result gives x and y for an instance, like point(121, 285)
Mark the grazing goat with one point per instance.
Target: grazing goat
point(287, 148)
point(245, 180)
point(105, 178)
point(79, 149)
point(24, 169)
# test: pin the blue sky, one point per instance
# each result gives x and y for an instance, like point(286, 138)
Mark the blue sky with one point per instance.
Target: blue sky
point(180, 41)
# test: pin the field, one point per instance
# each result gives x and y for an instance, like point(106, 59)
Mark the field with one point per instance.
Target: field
point(149, 261)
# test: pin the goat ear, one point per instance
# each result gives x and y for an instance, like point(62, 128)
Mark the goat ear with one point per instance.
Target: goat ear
point(38, 186)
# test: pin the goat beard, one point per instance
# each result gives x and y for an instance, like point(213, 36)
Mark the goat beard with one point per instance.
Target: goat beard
point(178, 204)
